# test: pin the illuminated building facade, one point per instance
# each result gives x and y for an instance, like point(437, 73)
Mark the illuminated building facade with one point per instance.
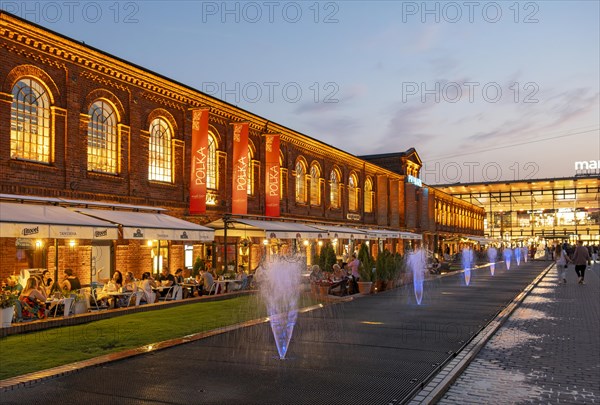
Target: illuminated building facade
point(80, 125)
point(562, 209)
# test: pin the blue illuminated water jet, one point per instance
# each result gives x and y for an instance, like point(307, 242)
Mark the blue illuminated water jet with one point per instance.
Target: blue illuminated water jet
point(467, 263)
point(517, 254)
point(492, 254)
point(417, 263)
point(280, 280)
point(524, 253)
point(507, 257)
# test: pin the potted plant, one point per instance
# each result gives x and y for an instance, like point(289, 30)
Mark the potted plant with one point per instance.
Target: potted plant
point(327, 257)
point(7, 308)
point(80, 303)
point(365, 270)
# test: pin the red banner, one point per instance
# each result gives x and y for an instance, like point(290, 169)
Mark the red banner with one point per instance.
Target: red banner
point(273, 190)
point(199, 161)
point(241, 165)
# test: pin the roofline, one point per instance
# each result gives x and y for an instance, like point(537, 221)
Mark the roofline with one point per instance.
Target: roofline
point(529, 181)
point(4, 14)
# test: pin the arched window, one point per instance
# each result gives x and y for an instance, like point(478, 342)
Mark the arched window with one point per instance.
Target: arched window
point(160, 166)
point(352, 193)
point(211, 163)
point(30, 137)
point(334, 189)
point(368, 195)
point(250, 173)
point(315, 185)
point(102, 139)
point(300, 182)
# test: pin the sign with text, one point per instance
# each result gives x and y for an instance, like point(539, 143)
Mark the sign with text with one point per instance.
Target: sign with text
point(241, 165)
point(273, 190)
point(199, 169)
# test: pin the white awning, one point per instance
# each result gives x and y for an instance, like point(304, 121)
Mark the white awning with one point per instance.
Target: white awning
point(380, 233)
point(50, 221)
point(241, 227)
point(146, 225)
point(410, 235)
point(335, 231)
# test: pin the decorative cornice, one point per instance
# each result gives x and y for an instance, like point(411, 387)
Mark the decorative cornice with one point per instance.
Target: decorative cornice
point(103, 80)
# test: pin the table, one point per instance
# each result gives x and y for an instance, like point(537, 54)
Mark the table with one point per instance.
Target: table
point(191, 287)
point(55, 302)
point(224, 284)
point(116, 295)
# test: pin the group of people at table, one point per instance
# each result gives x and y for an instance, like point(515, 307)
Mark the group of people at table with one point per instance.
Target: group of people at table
point(39, 296)
point(341, 280)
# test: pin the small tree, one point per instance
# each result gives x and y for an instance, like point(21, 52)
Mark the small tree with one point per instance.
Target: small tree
point(327, 258)
point(366, 264)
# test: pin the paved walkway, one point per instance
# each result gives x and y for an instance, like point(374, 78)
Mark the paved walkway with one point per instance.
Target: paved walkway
point(547, 352)
point(373, 350)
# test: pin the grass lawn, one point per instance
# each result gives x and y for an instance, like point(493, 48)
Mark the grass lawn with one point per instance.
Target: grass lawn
point(26, 353)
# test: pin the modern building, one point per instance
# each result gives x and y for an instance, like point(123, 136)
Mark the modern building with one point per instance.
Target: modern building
point(100, 137)
point(537, 210)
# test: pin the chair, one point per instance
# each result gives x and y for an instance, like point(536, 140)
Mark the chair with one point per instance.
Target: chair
point(214, 289)
point(91, 295)
point(175, 292)
point(135, 298)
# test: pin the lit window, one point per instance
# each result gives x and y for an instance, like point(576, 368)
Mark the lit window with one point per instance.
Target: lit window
point(352, 193)
point(102, 142)
point(368, 195)
point(211, 163)
point(315, 187)
point(160, 167)
point(250, 174)
point(334, 189)
point(30, 122)
point(300, 182)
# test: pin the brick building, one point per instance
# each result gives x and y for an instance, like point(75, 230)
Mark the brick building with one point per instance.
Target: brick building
point(83, 129)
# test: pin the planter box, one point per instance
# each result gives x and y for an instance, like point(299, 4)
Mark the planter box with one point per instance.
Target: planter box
point(364, 287)
point(6, 317)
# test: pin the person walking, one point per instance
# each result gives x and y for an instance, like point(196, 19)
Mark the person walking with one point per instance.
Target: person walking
point(561, 260)
point(580, 259)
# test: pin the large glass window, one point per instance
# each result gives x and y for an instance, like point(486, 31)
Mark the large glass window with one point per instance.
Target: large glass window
point(160, 162)
point(352, 193)
point(102, 142)
point(315, 185)
point(334, 189)
point(30, 135)
point(368, 195)
point(300, 182)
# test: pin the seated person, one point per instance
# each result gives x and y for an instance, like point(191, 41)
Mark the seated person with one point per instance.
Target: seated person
point(178, 276)
point(340, 283)
point(129, 285)
point(146, 286)
point(33, 301)
point(242, 279)
point(166, 279)
point(70, 282)
point(315, 274)
point(12, 285)
point(205, 282)
point(113, 285)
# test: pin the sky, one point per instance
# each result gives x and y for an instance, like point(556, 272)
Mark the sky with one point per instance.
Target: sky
point(484, 91)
